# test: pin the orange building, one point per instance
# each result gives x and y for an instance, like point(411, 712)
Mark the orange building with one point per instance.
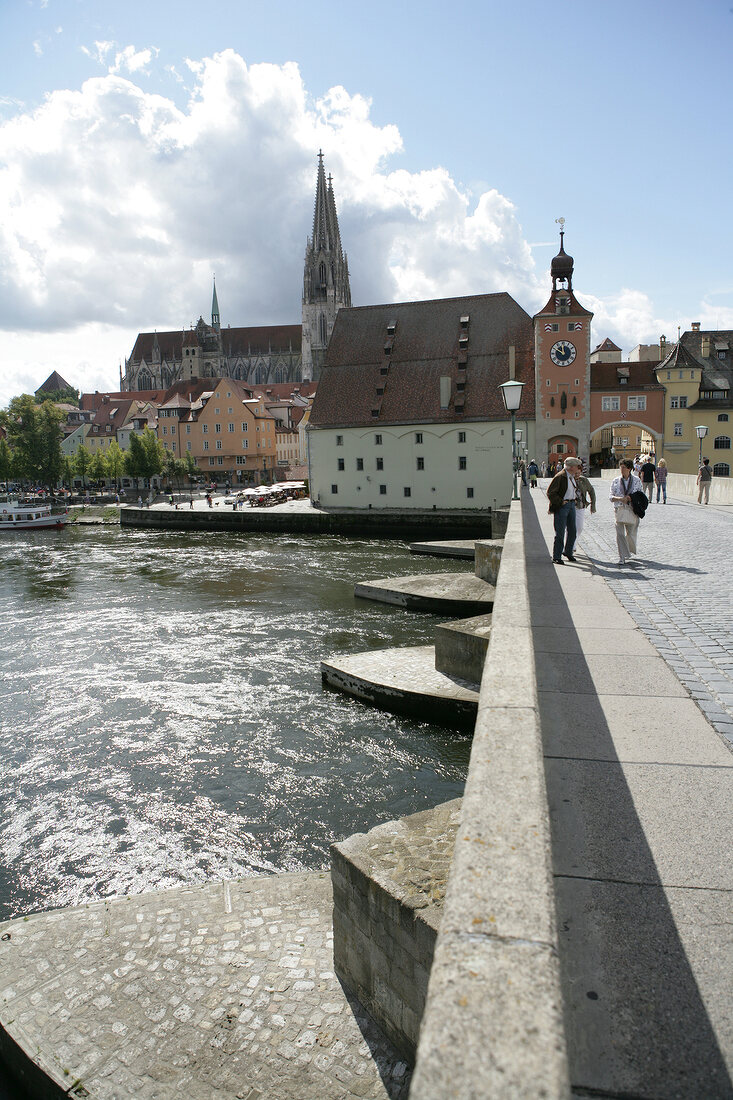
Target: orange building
point(223, 425)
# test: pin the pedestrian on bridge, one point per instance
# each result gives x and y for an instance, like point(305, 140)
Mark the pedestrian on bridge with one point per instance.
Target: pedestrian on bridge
point(627, 522)
point(704, 477)
point(562, 493)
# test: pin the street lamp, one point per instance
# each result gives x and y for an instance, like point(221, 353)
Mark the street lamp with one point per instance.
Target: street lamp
point(702, 431)
point(511, 392)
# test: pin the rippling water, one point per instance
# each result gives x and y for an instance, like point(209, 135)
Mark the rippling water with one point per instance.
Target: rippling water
point(163, 718)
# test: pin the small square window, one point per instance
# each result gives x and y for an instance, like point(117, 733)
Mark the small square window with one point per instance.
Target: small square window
point(380, 463)
point(339, 441)
point(341, 464)
point(469, 493)
point(377, 440)
point(212, 462)
point(421, 463)
point(462, 462)
point(380, 391)
point(218, 444)
point(220, 461)
point(360, 463)
point(205, 428)
point(407, 491)
point(461, 437)
point(230, 427)
point(418, 437)
point(334, 489)
point(383, 490)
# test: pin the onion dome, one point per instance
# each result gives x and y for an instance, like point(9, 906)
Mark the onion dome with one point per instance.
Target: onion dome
point(561, 267)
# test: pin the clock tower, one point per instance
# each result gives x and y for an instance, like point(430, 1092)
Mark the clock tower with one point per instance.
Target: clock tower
point(562, 368)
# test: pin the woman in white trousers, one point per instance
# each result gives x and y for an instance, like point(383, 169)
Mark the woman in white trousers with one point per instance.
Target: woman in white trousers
point(627, 524)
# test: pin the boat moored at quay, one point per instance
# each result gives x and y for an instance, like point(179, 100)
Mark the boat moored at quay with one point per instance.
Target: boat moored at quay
point(26, 515)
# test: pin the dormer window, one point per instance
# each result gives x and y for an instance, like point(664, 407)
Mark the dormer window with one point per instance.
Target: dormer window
point(562, 305)
point(464, 320)
point(463, 340)
point(391, 327)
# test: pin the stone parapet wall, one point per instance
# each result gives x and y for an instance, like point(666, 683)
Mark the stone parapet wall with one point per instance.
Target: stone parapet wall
point(461, 647)
point(388, 892)
point(493, 1022)
point(685, 486)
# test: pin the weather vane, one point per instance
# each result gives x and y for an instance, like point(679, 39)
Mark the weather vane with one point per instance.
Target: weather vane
point(560, 222)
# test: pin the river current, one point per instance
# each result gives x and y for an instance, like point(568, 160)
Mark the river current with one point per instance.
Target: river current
point(163, 719)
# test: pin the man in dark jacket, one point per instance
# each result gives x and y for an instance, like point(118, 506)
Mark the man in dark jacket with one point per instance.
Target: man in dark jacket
point(561, 493)
point(646, 473)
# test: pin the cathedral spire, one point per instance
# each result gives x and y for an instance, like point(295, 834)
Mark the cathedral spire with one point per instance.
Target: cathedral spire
point(215, 319)
point(326, 277)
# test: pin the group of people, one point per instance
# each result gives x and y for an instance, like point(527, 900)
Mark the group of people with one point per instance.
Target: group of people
point(570, 493)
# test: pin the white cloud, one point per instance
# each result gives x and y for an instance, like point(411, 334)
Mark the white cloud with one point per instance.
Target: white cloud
point(116, 205)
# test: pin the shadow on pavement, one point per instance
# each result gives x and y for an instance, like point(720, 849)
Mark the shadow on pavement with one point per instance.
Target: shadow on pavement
point(635, 1021)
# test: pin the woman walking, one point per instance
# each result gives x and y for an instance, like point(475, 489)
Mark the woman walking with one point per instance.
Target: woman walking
point(661, 479)
point(627, 522)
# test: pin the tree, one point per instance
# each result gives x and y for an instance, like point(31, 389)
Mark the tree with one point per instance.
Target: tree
point(192, 470)
point(34, 437)
point(68, 396)
point(81, 462)
point(98, 466)
point(145, 456)
point(6, 461)
point(115, 462)
point(67, 470)
point(175, 469)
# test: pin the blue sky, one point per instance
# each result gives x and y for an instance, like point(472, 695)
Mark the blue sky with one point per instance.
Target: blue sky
point(144, 146)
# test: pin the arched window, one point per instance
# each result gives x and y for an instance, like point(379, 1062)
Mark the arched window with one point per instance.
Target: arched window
point(721, 469)
point(323, 329)
point(722, 443)
point(144, 381)
point(722, 416)
point(322, 273)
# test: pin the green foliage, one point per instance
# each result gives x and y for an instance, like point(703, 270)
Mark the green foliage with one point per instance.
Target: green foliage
point(6, 461)
point(82, 462)
point(145, 456)
point(192, 469)
point(34, 438)
point(115, 461)
point(175, 469)
point(69, 396)
point(98, 467)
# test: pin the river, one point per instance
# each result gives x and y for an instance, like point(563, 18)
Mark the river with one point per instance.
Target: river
point(163, 717)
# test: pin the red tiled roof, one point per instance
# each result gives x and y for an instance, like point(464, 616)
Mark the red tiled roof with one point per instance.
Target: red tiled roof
point(605, 376)
point(424, 348)
point(260, 339)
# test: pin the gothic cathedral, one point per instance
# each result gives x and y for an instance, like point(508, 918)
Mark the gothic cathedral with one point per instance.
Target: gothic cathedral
point(260, 354)
point(562, 367)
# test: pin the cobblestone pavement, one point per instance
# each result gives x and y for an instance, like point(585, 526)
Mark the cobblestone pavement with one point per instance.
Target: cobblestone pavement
point(679, 591)
point(217, 991)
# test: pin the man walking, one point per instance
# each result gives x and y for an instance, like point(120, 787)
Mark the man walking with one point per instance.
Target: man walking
point(704, 477)
point(646, 473)
point(562, 494)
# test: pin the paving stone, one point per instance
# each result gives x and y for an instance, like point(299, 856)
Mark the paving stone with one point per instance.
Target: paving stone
point(168, 994)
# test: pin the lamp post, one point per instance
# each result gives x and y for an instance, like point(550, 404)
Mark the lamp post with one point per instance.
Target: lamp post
point(702, 431)
point(511, 392)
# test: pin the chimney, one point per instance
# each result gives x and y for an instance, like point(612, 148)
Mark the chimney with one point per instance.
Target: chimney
point(695, 326)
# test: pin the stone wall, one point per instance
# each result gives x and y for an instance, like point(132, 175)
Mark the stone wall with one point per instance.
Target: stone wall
point(388, 891)
point(493, 1021)
point(684, 486)
point(403, 525)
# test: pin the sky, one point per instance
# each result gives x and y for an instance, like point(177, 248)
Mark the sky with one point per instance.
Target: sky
point(145, 147)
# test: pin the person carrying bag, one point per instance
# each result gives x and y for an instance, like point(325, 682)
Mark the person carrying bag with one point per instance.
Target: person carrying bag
point(627, 521)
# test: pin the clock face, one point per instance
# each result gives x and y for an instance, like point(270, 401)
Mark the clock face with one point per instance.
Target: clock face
point(562, 353)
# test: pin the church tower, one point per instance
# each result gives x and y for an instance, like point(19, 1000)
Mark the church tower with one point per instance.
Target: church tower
point(325, 279)
point(562, 368)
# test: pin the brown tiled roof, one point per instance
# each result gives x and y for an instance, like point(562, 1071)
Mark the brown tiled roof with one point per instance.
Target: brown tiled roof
point(426, 346)
point(53, 382)
point(278, 391)
point(260, 339)
point(605, 376)
point(92, 401)
point(607, 345)
point(576, 310)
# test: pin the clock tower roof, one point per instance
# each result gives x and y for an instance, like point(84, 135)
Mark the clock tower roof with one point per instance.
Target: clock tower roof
point(561, 267)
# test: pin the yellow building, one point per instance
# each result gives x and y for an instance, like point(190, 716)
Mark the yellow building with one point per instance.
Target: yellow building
point(223, 425)
point(696, 376)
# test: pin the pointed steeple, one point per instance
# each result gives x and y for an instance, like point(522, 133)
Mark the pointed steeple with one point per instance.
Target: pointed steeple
point(215, 319)
point(325, 279)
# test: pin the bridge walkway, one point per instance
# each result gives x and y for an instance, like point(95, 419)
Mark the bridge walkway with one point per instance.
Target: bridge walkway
point(639, 787)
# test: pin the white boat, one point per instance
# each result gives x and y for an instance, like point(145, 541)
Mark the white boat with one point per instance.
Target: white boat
point(27, 515)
